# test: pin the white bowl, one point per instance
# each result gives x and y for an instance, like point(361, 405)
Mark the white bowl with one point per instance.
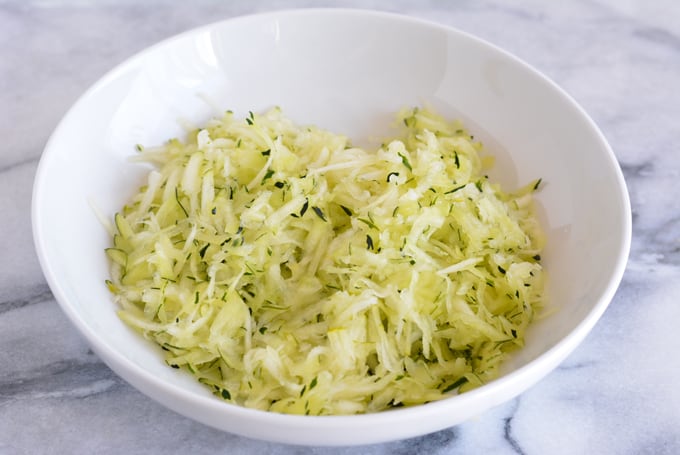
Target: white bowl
point(348, 71)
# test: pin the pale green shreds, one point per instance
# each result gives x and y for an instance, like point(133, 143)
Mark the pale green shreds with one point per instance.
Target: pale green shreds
point(289, 271)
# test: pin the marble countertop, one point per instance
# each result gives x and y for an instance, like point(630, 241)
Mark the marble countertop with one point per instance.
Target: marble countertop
point(618, 393)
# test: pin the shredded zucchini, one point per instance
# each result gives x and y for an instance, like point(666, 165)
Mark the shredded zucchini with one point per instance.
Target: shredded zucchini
point(290, 271)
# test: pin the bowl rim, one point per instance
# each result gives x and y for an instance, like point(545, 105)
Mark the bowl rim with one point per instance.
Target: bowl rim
point(496, 391)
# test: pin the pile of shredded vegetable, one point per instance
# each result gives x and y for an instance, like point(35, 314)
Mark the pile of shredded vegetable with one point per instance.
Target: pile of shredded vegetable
point(290, 271)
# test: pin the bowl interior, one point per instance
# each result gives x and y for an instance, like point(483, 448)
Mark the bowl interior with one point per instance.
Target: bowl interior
point(349, 72)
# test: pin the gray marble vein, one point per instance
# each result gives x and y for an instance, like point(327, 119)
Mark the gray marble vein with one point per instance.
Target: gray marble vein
point(616, 394)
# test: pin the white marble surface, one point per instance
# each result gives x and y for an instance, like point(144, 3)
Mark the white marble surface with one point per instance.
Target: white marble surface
point(618, 393)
